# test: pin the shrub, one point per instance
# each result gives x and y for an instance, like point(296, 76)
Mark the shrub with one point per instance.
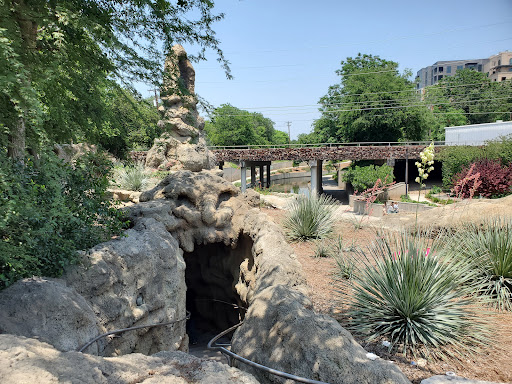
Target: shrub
point(407, 292)
point(132, 178)
point(310, 217)
point(484, 178)
point(49, 211)
point(488, 248)
point(363, 178)
point(457, 157)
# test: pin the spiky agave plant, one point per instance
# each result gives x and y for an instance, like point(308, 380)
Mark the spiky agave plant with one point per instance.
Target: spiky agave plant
point(488, 247)
point(133, 178)
point(406, 291)
point(310, 217)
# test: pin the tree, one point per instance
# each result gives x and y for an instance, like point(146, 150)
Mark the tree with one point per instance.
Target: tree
point(473, 94)
point(55, 56)
point(232, 126)
point(372, 102)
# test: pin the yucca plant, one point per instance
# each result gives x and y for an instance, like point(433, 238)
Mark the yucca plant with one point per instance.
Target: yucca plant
point(322, 249)
point(407, 292)
point(132, 178)
point(310, 217)
point(488, 247)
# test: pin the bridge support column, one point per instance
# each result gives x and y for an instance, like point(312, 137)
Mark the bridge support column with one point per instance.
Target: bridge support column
point(319, 186)
point(316, 176)
point(253, 176)
point(262, 178)
point(243, 176)
point(268, 175)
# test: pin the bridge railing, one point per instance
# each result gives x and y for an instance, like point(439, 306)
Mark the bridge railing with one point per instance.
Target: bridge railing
point(331, 145)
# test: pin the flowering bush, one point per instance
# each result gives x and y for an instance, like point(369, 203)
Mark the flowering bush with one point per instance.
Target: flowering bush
point(486, 178)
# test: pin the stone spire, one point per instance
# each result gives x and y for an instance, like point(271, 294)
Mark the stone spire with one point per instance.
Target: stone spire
point(182, 145)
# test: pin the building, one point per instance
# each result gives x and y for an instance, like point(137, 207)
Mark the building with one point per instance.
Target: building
point(477, 134)
point(434, 73)
point(499, 66)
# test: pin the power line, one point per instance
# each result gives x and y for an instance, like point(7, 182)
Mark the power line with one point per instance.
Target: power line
point(412, 91)
point(386, 107)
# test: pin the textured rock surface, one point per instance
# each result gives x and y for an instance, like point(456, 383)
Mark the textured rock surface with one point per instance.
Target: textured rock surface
point(439, 379)
point(69, 152)
point(135, 280)
point(182, 146)
point(30, 361)
point(139, 279)
point(280, 329)
point(47, 309)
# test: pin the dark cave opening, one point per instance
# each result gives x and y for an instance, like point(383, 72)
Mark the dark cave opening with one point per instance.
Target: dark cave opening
point(215, 276)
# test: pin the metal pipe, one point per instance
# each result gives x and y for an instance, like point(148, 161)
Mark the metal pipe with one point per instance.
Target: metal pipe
point(252, 363)
point(116, 331)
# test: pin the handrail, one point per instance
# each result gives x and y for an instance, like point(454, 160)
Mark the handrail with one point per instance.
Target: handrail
point(116, 331)
point(358, 144)
point(252, 363)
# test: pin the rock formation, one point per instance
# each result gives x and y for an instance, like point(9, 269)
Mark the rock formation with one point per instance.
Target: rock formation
point(25, 360)
point(238, 267)
point(182, 146)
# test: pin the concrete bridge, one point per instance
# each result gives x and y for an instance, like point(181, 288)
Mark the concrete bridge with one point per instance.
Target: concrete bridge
point(261, 156)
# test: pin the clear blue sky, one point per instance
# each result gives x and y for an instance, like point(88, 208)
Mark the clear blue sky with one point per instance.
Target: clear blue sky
point(284, 53)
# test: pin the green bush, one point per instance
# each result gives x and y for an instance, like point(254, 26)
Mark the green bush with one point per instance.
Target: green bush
point(405, 291)
point(49, 211)
point(456, 158)
point(365, 177)
point(488, 248)
point(310, 217)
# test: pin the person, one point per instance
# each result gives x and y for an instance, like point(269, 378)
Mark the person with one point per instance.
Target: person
point(390, 207)
point(395, 207)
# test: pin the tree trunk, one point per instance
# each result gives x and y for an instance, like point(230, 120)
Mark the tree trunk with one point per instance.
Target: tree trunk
point(16, 147)
point(28, 30)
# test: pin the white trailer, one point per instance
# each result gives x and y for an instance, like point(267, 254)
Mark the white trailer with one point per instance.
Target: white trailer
point(477, 134)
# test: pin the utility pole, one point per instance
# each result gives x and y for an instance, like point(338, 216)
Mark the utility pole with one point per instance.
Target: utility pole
point(289, 137)
point(155, 103)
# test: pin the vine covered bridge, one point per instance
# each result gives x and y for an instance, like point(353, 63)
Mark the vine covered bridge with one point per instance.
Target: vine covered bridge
point(261, 156)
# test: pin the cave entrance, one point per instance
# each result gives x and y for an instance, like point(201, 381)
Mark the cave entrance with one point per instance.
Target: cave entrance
point(218, 278)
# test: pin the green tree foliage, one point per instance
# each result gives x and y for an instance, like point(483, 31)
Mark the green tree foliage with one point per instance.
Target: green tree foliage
point(49, 211)
point(372, 102)
point(128, 122)
point(57, 57)
point(365, 177)
point(232, 126)
point(472, 93)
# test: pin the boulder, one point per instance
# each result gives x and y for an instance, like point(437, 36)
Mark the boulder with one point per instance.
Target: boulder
point(50, 311)
point(134, 280)
point(282, 331)
point(25, 360)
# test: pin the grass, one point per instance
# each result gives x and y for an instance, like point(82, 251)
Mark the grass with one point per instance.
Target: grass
point(407, 199)
point(310, 217)
point(409, 292)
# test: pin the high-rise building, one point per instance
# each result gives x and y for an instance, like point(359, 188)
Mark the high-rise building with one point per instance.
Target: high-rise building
point(434, 73)
point(499, 66)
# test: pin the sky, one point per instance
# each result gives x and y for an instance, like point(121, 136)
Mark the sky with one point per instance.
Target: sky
point(284, 53)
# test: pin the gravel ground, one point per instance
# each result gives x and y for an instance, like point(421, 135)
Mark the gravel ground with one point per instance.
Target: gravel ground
point(492, 364)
